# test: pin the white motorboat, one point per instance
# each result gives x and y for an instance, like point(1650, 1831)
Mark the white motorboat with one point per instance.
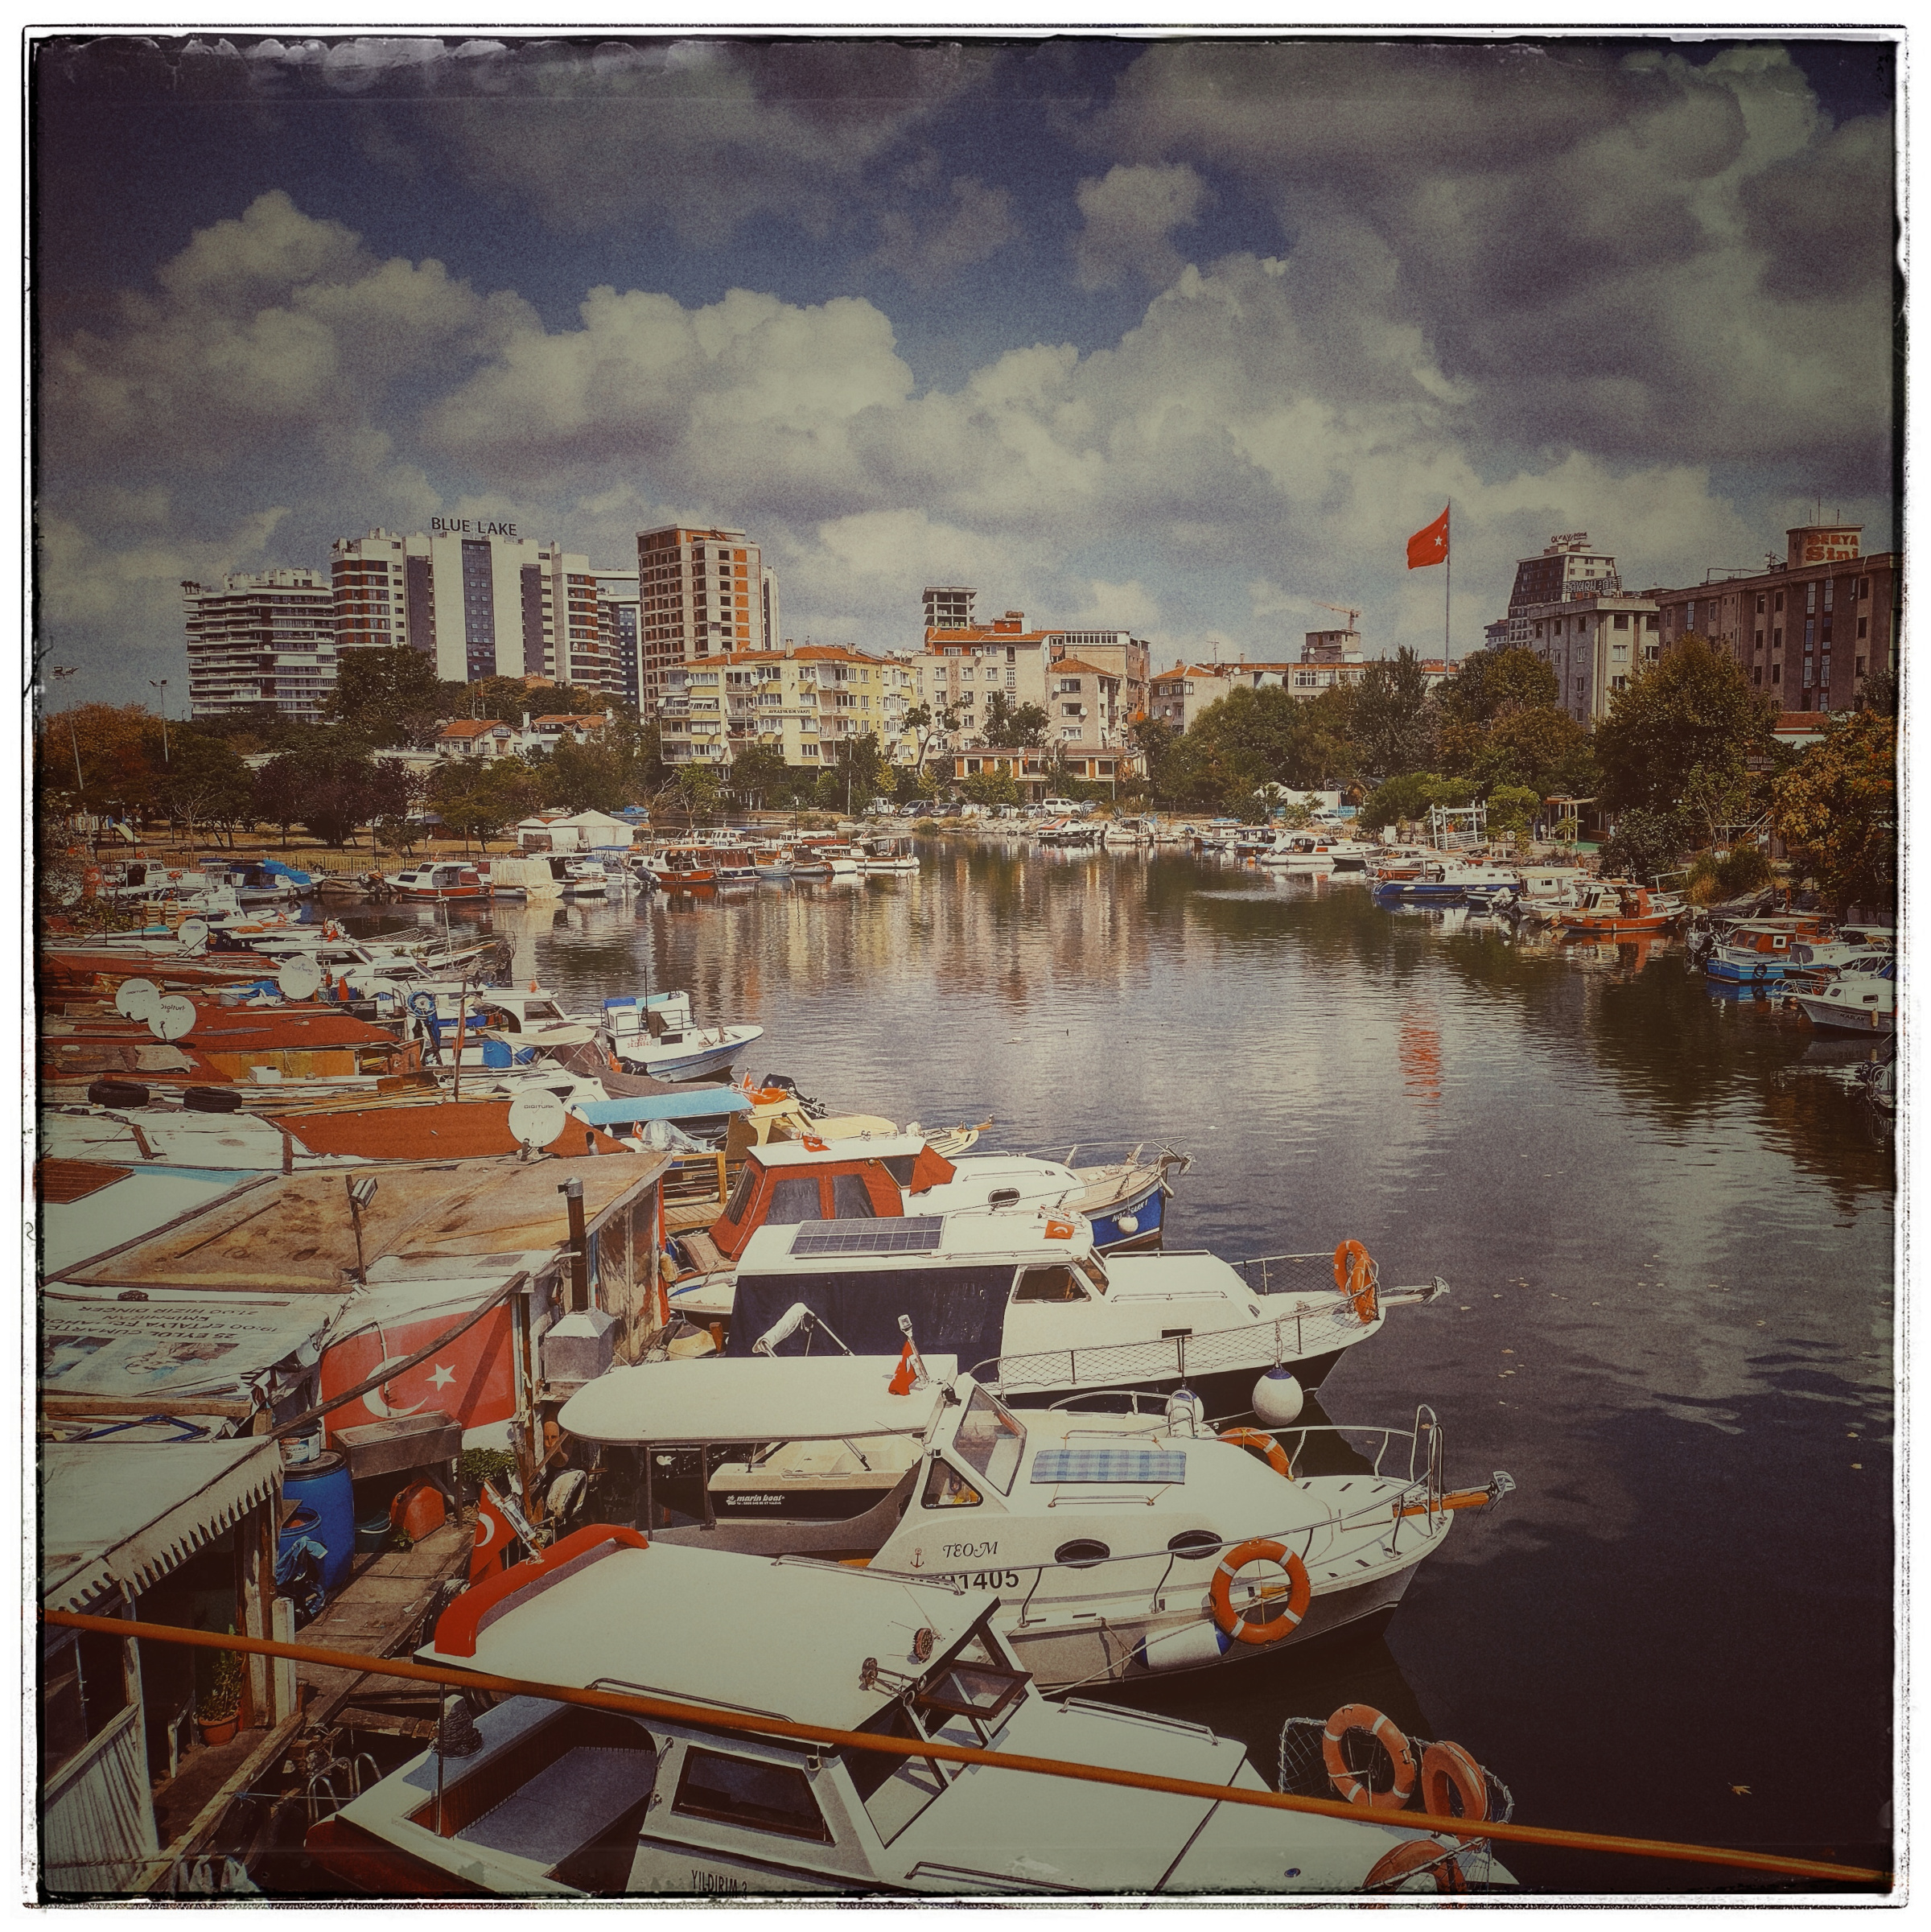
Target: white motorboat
point(658, 1034)
point(1854, 1002)
point(888, 852)
point(534, 1798)
point(1101, 1532)
point(823, 1172)
point(1024, 1297)
point(825, 859)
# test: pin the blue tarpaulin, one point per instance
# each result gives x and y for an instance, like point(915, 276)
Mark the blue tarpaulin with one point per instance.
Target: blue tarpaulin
point(698, 1103)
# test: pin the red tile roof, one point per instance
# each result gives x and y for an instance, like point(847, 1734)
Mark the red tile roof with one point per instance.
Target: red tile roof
point(470, 728)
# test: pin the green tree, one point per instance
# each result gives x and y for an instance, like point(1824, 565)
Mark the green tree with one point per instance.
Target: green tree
point(1488, 682)
point(205, 782)
point(1538, 746)
point(388, 695)
point(1409, 796)
point(482, 797)
point(860, 770)
point(990, 787)
point(1011, 727)
point(583, 777)
point(1511, 807)
point(96, 757)
point(1646, 843)
point(507, 698)
point(1694, 706)
point(1836, 811)
point(758, 773)
point(1393, 719)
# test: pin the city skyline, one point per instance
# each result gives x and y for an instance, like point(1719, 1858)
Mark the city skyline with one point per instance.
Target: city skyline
point(1186, 338)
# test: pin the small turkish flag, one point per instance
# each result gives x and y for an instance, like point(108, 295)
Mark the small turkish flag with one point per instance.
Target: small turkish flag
point(1430, 546)
point(905, 1374)
point(494, 1535)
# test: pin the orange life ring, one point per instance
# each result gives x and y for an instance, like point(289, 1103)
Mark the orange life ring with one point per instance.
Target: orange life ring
point(1417, 1854)
point(1449, 1773)
point(768, 1097)
point(1357, 1276)
point(1263, 1445)
point(1349, 1785)
point(1299, 1591)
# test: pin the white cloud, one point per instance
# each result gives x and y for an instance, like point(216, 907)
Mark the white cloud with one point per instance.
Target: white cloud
point(1128, 214)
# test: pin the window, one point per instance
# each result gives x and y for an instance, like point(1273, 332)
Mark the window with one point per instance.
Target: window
point(990, 1440)
point(1810, 600)
point(1759, 640)
point(1776, 602)
point(1054, 1284)
point(1830, 591)
point(794, 1199)
point(1652, 621)
point(1619, 684)
point(1759, 603)
point(1863, 626)
point(1863, 588)
point(945, 1489)
point(1860, 667)
point(1776, 674)
point(745, 1791)
point(1622, 620)
point(848, 1200)
point(1757, 674)
point(1777, 639)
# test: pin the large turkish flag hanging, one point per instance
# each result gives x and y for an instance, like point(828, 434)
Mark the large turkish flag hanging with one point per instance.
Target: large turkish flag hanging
point(1430, 546)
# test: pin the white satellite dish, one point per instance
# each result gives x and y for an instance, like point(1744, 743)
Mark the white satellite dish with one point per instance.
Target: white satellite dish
point(300, 978)
point(137, 998)
point(536, 1118)
point(193, 936)
point(172, 1017)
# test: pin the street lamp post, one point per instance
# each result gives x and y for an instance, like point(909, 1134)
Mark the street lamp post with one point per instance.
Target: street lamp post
point(160, 685)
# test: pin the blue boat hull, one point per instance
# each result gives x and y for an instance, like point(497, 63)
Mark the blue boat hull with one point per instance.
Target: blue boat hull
point(1761, 973)
point(1148, 1215)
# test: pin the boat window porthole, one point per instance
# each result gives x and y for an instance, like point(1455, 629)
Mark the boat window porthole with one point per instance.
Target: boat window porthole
point(1194, 1543)
point(1002, 1197)
point(1081, 1553)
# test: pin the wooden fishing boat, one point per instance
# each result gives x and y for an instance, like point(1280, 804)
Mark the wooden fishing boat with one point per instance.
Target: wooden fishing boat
point(1613, 908)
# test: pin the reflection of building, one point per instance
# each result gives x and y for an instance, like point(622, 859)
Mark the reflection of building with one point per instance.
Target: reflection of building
point(1810, 631)
point(702, 593)
point(260, 641)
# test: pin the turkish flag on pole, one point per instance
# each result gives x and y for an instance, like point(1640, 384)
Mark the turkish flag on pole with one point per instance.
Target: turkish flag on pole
point(1430, 546)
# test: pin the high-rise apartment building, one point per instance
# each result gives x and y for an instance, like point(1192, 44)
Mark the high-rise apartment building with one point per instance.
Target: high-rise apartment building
point(1569, 567)
point(702, 593)
point(620, 621)
point(260, 641)
point(479, 597)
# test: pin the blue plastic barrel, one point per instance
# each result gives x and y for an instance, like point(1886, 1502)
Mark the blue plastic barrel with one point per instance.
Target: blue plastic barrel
point(324, 1485)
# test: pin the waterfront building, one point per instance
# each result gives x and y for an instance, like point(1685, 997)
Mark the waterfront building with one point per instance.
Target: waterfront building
point(1329, 660)
point(1811, 631)
point(1085, 704)
point(804, 703)
point(1036, 771)
point(1594, 643)
point(486, 738)
point(702, 593)
point(962, 665)
point(262, 640)
point(476, 595)
point(1568, 567)
point(1122, 655)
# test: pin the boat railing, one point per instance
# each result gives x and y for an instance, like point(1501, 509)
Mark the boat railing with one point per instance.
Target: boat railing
point(1292, 1271)
point(1257, 1345)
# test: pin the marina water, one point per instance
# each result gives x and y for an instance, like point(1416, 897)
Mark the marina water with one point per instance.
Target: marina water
point(1667, 1228)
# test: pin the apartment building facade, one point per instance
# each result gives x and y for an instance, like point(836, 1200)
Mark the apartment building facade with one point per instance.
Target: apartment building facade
point(1569, 568)
point(804, 703)
point(262, 640)
point(475, 596)
point(962, 666)
point(1122, 655)
point(1811, 631)
point(702, 593)
point(1595, 645)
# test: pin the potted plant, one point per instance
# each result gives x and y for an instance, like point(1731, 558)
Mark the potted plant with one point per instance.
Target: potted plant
point(218, 1716)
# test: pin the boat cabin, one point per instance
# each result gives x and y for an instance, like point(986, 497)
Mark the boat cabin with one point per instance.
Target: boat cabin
point(441, 882)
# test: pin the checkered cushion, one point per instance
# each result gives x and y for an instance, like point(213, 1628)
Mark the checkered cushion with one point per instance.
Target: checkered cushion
point(1111, 1465)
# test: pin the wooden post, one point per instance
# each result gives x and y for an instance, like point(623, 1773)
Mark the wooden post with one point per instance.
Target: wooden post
point(254, 1592)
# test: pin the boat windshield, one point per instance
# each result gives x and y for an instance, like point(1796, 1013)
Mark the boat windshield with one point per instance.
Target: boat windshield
point(1088, 1265)
point(991, 1440)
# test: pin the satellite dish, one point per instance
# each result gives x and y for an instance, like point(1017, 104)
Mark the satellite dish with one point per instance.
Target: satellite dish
point(172, 1018)
point(193, 936)
point(536, 1118)
point(137, 998)
point(299, 978)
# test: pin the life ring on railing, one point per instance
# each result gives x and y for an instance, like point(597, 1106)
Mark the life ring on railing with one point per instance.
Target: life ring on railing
point(1417, 1855)
point(1357, 1277)
point(1220, 1593)
point(1448, 1771)
point(1349, 1785)
point(1263, 1445)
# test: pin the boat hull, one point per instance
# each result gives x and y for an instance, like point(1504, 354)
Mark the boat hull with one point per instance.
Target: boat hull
point(1835, 1017)
point(1756, 972)
point(691, 1062)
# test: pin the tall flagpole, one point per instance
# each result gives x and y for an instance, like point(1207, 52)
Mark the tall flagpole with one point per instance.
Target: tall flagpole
point(1447, 579)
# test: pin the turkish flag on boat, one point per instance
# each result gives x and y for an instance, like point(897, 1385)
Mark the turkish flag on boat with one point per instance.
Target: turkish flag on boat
point(494, 1535)
point(906, 1374)
point(471, 1379)
point(1430, 546)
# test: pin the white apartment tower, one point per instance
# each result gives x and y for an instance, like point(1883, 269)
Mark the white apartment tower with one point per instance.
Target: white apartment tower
point(479, 597)
point(261, 640)
point(701, 593)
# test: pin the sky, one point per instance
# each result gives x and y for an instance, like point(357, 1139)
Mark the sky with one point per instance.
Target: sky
point(1184, 336)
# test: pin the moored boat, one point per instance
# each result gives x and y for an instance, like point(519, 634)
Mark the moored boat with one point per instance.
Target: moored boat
point(1614, 907)
point(658, 1034)
point(440, 882)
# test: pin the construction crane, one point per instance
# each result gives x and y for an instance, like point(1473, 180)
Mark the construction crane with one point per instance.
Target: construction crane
point(1353, 617)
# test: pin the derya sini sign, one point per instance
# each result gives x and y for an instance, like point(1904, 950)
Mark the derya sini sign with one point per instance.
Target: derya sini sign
point(468, 526)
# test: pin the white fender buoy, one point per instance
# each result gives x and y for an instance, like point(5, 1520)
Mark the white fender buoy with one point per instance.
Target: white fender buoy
point(1277, 1399)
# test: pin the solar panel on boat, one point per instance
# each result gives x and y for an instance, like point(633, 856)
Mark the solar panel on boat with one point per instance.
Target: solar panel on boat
point(915, 1235)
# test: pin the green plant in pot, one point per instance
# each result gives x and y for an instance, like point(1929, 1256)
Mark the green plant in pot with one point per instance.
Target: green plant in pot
point(219, 1713)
